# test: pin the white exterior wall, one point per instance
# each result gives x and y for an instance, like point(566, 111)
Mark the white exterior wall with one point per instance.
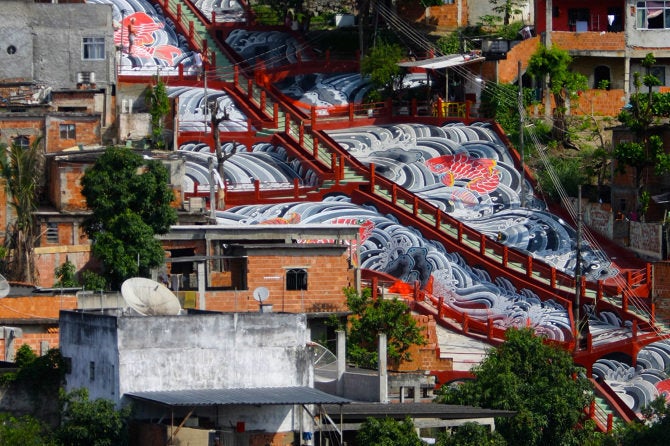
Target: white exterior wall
point(213, 350)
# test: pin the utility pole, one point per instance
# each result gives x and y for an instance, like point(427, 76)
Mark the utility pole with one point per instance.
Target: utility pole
point(521, 142)
point(578, 271)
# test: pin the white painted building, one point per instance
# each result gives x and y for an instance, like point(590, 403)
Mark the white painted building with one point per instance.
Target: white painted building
point(193, 369)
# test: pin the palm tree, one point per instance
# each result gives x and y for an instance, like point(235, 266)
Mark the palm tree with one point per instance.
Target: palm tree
point(21, 168)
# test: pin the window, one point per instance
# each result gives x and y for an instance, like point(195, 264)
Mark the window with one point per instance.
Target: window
point(601, 77)
point(52, 233)
point(22, 141)
point(67, 131)
point(653, 14)
point(578, 19)
point(91, 371)
point(93, 48)
point(659, 73)
point(296, 279)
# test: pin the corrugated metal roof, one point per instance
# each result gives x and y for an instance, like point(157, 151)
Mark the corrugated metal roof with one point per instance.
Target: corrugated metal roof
point(357, 411)
point(244, 396)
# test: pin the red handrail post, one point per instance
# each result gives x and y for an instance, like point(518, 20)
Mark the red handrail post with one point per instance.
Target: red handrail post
point(438, 218)
point(505, 256)
point(372, 178)
point(466, 320)
point(552, 281)
point(624, 302)
point(275, 115)
point(489, 328)
point(529, 266)
point(460, 232)
point(191, 29)
point(312, 117)
point(415, 206)
point(263, 99)
point(236, 76)
point(610, 418)
point(394, 193)
point(301, 133)
point(482, 244)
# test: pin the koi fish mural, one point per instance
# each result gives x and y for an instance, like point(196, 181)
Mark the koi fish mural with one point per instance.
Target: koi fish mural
point(481, 172)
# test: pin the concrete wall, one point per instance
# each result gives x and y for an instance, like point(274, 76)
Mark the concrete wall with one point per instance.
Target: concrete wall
point(185, 352)
point(48, 42)
point(91, 344)
point(644, 40)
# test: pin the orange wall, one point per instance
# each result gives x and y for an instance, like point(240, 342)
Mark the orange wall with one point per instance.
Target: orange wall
point(326, 278)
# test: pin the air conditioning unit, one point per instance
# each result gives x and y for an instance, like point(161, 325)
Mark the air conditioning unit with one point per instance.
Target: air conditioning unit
point(196, 204)
point(85, 78)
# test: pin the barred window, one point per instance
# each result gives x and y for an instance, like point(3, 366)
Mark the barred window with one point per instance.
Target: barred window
point(52, 233)
point(93, 48)
point(296, 279)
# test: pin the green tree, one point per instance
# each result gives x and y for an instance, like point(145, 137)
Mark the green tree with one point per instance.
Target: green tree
point(564, 84)
point(388, 432)
point(646, 149)
point(130, 199)
point(91, 280)
point(470, 434)
point(22, 169)
point(570, 172)
point(23, 431)
point(507, 8)
point(66, 275)
point(655, 431)
point(381, 65)
point(538, 381)
point(159, 106)
point(374, 316)
point(91, 423)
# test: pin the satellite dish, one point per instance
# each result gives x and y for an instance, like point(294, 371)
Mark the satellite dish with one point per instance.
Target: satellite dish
point(261, 293)
point(150, 298)
point(324, 361)
point(4, 287)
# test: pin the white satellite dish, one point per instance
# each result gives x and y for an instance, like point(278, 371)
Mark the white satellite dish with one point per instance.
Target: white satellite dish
point(4, 287)
point(324, 361)
point(261, 293)
point(150, 298)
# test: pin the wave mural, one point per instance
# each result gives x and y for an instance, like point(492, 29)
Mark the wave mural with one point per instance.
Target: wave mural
point(273, 48)
point(224, 10)
point(638, 386)
point(267, 163)
point(156, 48)
point(192, 108)
point(467, 172)
point(402, 252)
